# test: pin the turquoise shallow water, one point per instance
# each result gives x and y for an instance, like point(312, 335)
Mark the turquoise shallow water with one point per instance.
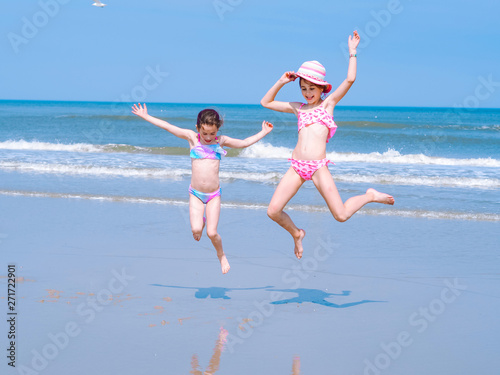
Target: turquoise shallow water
point(437, 162)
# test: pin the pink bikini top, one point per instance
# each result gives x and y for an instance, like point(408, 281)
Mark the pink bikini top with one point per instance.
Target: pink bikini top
point(318, 115)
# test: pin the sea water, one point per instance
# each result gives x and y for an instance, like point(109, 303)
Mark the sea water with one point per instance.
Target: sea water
point(438, 163)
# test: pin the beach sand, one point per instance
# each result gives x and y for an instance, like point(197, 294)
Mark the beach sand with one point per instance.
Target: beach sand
point(122, 288)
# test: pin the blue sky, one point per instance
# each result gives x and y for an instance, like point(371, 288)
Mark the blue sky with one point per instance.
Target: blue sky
point(412, 53)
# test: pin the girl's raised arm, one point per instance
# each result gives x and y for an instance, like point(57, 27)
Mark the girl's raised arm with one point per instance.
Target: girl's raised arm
point(175, 130)
point(242, 143)
point(268, 99)
point(340, 92)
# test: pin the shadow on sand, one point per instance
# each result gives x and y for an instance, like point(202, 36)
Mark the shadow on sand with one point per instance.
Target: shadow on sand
point(316, 296)
point(303, 295)
point(212, 292)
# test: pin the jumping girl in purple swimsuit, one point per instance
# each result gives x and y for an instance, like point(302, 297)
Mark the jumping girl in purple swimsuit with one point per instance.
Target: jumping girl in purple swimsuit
point(316, 127)
point(206, 152)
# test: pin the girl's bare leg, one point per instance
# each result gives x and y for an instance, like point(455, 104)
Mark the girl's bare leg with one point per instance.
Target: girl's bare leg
point(196, 210)
point(323, 181)
point(213, 213)
point(287, 188)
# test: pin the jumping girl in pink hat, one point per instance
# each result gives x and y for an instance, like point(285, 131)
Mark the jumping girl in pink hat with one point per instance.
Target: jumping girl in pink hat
point(316, 127)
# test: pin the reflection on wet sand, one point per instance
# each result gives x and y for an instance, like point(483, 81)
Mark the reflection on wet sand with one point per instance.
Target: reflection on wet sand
point(296, 365)
point(213, 365)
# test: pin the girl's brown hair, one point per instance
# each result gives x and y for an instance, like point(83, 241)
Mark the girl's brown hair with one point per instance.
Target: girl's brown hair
point(209, 117)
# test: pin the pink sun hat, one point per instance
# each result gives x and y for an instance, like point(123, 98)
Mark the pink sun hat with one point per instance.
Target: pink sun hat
point(314, 72)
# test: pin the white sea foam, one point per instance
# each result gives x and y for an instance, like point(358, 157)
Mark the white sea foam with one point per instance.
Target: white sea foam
point(456, 182)
point(438, 215)
point(269, 177)
point(102, 171)
point(394, 157)
point(248, 176)
point(45, 146)
point(73, 147)
point(265, 150)
point(98, 171)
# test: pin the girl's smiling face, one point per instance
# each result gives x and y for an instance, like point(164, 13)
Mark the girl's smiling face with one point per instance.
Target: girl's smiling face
point(310, 91)
point(208, 133)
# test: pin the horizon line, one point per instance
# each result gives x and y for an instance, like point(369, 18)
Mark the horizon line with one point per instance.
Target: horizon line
point(236, 104)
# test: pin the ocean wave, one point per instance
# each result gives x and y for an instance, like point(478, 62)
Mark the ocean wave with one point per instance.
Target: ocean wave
point(440, 215)
point(424, 214)
point(259, 150)
point(109, 198)
point(391, 156)
point(97, 171)
point(494, 128)
point(263, 150)
point(91, 148)
point(454, 182)
point(268, 177)
point(264, 177)
point(103, 171)
point(45, 146)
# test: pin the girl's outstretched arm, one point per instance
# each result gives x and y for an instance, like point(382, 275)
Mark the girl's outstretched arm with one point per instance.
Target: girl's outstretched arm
point(338, 94)
point(175, 130)
point(242, 143)
point(268, 99)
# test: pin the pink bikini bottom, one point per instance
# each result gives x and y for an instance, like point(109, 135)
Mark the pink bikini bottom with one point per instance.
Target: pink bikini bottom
point(306, 168)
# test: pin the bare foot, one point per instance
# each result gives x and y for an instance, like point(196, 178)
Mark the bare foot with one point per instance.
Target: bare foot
point(298, 243)
point(197, 236)
point(379, 197)
point(224, 264)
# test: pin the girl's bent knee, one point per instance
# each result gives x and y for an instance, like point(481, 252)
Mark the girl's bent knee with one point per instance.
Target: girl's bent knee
point(273, 213)
point(341, 217)
point(212, 234)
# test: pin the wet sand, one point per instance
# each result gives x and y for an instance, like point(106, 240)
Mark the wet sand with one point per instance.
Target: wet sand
point(122, 288)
